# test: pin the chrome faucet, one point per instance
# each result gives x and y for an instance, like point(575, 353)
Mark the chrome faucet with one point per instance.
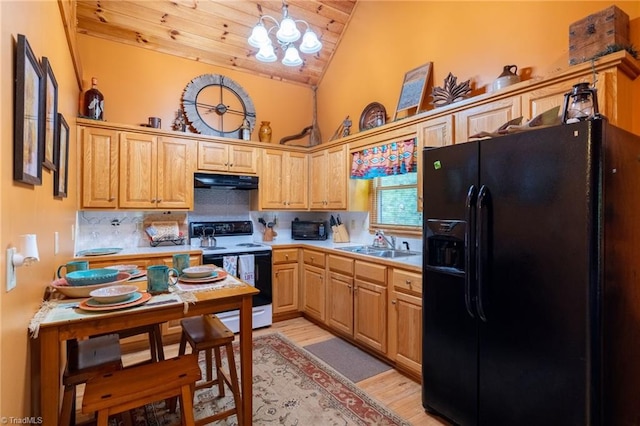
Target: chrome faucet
point(390, 243)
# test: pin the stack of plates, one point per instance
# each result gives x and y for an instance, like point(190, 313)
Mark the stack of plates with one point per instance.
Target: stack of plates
point(202, 278)
point(134, 299)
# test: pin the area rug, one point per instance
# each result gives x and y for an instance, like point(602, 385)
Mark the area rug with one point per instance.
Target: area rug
point(352, 362)
point(290, 387)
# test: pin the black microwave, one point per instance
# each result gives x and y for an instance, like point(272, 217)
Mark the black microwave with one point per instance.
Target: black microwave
point(309, 230)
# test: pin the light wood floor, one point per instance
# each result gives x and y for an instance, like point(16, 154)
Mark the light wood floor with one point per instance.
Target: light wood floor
point(391, 388)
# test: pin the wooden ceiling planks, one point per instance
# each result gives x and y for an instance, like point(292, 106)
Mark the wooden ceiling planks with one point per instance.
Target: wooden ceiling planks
point(216, 31)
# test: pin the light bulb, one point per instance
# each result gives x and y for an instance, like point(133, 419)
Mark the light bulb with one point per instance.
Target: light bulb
point(310, 43)
point(288, 31)
point(291, 57)
point(266, 53)
point(259, 36)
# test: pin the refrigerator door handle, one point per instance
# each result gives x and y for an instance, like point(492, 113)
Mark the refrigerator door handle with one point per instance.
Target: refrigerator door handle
point(469, 243)
point(482, 249)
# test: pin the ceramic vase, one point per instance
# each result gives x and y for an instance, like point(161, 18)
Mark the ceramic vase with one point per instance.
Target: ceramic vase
point(265, 131)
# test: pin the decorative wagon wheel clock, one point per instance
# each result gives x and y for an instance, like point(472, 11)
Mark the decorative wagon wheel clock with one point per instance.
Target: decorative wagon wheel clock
point(218, 106)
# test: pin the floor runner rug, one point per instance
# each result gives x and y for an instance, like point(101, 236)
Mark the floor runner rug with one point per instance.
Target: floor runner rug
point(290, 387)
point(352, 362)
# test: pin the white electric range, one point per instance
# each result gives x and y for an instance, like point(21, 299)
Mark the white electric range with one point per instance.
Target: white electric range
point(232, 240)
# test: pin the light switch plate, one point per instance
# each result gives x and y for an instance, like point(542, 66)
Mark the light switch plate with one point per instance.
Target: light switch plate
point(11, 270)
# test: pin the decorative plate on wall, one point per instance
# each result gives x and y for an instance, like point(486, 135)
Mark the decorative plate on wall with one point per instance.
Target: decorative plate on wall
point(373, 115)
point(218, 106)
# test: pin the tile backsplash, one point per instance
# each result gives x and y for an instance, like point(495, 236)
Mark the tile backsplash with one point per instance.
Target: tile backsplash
point(97, 229)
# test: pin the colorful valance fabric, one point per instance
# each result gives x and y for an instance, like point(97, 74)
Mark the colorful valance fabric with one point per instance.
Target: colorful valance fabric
point(395, 158)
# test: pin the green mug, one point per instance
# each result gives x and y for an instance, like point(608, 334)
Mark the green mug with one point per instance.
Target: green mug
point(74, 265)
point(181, 262)
point(159, 279)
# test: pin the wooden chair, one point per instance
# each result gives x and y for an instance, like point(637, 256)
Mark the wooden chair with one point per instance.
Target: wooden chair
point(123, 390)
point(85, 359)
point(207, 333)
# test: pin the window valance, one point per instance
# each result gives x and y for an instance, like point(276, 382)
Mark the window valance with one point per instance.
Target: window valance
point(394, 158)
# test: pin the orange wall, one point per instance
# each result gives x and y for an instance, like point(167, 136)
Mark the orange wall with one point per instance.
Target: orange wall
point(473, 40)
point(138, 83)
point(30, 209)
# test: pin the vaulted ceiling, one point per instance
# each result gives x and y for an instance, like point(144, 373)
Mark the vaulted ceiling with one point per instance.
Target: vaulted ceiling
point(216, 31)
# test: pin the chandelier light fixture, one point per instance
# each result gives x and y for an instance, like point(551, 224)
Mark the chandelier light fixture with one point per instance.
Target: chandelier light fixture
point(286, 35)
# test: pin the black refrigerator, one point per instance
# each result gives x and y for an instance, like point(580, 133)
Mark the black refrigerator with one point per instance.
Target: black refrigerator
point(531, 300)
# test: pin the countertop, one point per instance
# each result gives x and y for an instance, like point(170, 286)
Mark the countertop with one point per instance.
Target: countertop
point(413, 262)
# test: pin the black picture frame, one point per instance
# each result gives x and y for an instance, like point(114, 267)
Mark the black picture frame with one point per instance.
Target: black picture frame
point(28, 138)
point(49, 105)
point(61, 159)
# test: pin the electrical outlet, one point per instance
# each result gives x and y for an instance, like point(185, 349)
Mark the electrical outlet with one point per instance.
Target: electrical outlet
point(11, 270)
point(56, 243)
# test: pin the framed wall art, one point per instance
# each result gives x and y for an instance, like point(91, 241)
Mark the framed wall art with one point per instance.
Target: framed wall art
point(49, 112)
point(28, 138)
point(61, 156)
point(413, 89)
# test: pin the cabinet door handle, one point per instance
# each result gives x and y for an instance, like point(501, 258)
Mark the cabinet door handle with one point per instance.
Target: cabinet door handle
point(393, 301)
point(408, 282)
point(231, 165)
point(276, 274)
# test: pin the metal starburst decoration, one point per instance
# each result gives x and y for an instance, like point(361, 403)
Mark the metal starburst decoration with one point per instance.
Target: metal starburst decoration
point(451, 92)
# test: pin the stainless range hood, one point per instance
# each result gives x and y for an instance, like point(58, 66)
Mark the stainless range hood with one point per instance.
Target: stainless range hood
point(206, 180)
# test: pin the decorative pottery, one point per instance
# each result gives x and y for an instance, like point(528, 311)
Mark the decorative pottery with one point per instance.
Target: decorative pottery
point(507, 78)
point(265, 131)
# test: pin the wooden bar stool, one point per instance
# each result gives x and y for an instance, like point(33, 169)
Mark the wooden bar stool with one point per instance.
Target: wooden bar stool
point(85, 359)
point(123, 390)
point(156, 348)
point(207, 333)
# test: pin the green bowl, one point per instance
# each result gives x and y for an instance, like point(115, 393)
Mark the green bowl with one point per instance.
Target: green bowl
point(91, 277)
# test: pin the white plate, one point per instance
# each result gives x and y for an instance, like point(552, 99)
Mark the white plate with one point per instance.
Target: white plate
point(129, 299)
point(113, 294)
point(199, 272)
point(131, 269)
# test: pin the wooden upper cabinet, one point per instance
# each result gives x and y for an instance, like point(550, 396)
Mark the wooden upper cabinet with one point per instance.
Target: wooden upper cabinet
point(99, 165)
point(485, 117)
point(328, 179)
point(138, 170)
point(283, 180)
point(222, 157)
point(434, 132)
point(176, 164)
point(156, 173)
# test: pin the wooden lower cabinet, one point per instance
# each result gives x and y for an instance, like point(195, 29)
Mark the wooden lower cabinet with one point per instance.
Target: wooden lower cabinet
point(357, 301)
point(340, 307)
point(313, 292)
point(285, 281)
point(141, 262)
point(405, 321)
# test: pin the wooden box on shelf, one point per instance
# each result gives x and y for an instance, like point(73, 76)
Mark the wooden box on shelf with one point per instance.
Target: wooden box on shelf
point(593, 34)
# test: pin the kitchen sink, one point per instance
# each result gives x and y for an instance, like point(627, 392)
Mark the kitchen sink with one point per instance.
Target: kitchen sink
point(379, 252)
point(396, 253)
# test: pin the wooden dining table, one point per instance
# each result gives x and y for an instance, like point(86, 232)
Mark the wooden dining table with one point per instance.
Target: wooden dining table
point(54, 328)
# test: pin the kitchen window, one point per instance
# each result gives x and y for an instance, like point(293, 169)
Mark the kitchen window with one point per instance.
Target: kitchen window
point(394, 204)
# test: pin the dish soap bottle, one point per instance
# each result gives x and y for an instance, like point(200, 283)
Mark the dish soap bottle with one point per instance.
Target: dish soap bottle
point(94, 102)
